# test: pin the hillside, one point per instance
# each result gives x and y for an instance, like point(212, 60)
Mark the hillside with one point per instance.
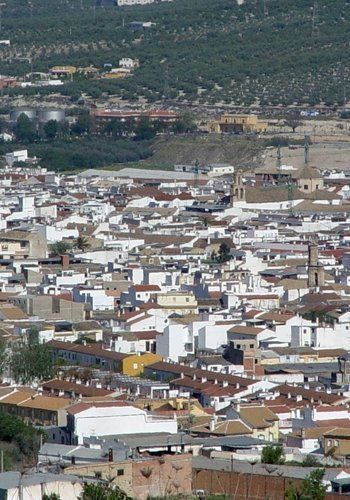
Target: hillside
point(168, 151)
point(198, 50)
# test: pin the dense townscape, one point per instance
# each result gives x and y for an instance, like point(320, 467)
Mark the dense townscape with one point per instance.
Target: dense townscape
point(166, 327)
point(174, 250)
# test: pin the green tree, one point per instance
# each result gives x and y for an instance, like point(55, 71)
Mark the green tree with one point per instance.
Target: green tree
point(144, 130)
point(83, 124)
point(272, 454)
point(3, 356)
point(24, 129)
point(184, 124)
point(33, 336)
point(81, 243)
point(101, 491)
point(224, 253)
point(312, 487)
point(51, 129)
point(63, 129)
point(25, 437)
point(116, 128)
point(293, 122)
point(310, 461)
point(59, 248)
point(30, 363)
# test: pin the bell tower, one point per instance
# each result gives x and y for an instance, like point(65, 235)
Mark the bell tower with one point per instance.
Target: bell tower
point(237, 188)
point(315, 269)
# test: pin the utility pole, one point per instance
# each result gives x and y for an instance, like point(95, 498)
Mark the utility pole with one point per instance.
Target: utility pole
point(279, 156)
point(306, 150)
point(290, 194)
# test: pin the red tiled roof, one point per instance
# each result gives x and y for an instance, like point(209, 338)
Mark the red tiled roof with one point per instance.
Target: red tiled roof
point(146, 288)
point(80, 407)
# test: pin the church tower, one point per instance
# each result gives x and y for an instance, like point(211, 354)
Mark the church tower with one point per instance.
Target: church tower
point(237, 188)
point(315, 269)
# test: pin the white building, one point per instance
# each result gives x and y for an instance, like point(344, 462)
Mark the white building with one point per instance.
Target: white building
point(114, 418)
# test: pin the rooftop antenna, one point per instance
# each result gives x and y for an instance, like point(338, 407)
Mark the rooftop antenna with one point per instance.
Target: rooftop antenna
point(315, 20)
point(2, 4)
point(306, 150)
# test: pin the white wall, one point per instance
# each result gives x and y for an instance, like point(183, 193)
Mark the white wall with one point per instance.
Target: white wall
point(115, 420)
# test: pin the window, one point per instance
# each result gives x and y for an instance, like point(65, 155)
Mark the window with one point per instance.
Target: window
point(120, 472)
point(251, 346)
point(4, 247)
point(23, 244)
point(336, 442)
point(306, 187)
point(135, 366)
point(98, 475)
point(329, 442)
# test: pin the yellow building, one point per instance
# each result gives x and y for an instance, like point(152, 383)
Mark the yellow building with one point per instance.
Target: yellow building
point(263, 422)
point(134, 365)
point(63, 70)
point(239, 123)
point(181, 303)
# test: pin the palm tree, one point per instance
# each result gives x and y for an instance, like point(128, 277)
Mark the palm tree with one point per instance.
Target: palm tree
point(59, 248)
point(81, 243)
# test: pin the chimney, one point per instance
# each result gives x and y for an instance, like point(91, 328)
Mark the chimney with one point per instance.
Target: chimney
point(194, 376)
point(307, 386)
point(203, 380)
point(72, 460)
point(65, 261)
point(212, 425)
point(224, 383)
point(110, 454)
point(237, 386)
point(182, 375)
